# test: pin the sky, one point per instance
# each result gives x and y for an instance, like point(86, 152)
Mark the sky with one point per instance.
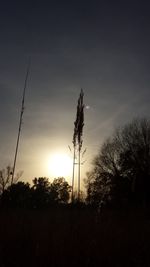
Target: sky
point(100, 46)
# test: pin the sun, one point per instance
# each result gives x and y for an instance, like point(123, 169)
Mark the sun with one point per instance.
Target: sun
point(60, 165)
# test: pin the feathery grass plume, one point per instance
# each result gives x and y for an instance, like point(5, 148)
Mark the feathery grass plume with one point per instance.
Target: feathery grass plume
point(77, 138)
point(79, 122)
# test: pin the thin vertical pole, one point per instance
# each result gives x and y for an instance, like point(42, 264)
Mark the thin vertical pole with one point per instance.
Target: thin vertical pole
point(79, 176)
point(73, 172)
point(20, 121)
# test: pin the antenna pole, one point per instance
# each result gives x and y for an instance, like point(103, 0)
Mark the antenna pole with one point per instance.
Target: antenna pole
point(20, 121)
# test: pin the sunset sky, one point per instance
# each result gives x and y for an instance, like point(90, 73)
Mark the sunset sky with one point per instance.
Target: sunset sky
point(100, 46)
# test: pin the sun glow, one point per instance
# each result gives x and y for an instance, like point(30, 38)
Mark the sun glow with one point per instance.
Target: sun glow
point(60, 165)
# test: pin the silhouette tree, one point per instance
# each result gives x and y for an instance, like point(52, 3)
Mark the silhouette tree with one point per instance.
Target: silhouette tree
point(17, 195)
point(45, 193)
point(6, 177)
point(40, 192)
point(122, 166)
point(134, 143)
point(60, 190)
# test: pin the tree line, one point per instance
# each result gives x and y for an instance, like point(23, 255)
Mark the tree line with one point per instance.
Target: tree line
point(120, 175)
point(41, 194)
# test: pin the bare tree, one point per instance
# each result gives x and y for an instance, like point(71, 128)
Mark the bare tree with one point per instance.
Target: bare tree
point(6, 177)
point(122, 166)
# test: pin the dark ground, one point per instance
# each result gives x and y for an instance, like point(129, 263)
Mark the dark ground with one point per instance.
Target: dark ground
point(74, 237)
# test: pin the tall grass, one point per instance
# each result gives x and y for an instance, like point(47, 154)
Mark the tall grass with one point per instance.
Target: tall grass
point(73, 237)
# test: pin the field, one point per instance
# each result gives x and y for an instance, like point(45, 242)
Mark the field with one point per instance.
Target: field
point(74, 237)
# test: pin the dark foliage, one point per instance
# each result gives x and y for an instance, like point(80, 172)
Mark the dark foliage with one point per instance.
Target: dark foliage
point(42, 194)
point(17, 195)
point(59, 190)
point(121, 170)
